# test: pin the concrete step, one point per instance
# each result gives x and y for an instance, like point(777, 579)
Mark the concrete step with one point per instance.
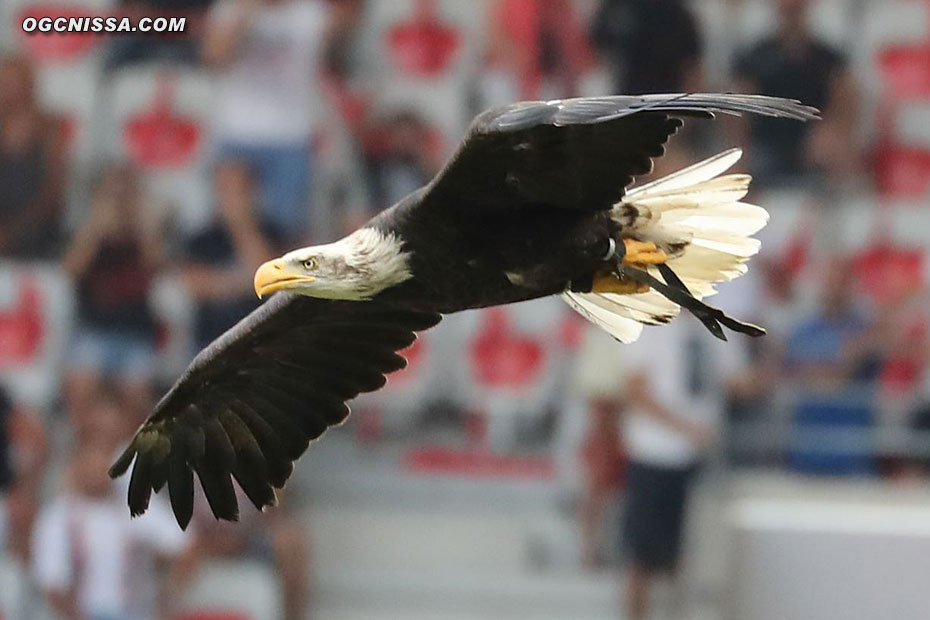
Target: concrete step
point(465, 594)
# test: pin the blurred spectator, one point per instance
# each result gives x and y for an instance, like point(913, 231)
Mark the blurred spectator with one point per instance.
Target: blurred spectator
point(221, 258)
point(113, 259)
point(272, 537)
point(836, 344)
point(22, 460)
point(91, 561)
point(920, 423)
point(536, 50)
point(603, 474)
point(754, 391)
point(267, 55)
point(673, 398)
point(833, 359)
point(137, 47)
point(794, 63)
point(599, 370)
point(33, 167)
point(402, 156)
point(626, 32)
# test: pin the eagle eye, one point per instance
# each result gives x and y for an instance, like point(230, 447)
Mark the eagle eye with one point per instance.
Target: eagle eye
point(310, 263)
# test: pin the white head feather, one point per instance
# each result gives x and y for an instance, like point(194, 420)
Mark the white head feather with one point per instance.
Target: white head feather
point(357, 267)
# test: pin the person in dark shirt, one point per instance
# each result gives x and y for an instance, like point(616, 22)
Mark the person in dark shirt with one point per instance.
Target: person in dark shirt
point(113, 259)
point(831, 362)
point(400, 157)
point(221, 258)
point(22, 460)
point(168, 47)
point(6, 458)
point(626, 33)
point(794, 63)
point(32, 166)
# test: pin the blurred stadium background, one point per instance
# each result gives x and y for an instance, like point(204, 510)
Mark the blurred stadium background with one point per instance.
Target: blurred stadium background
point(143, 177)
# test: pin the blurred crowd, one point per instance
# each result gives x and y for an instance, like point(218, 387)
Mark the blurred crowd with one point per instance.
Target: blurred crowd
point(315, 114)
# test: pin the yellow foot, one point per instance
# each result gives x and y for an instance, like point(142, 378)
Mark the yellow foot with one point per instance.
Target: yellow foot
point(640, 253)
point(612, 283)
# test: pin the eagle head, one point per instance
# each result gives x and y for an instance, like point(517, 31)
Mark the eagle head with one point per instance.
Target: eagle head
point(356, 267)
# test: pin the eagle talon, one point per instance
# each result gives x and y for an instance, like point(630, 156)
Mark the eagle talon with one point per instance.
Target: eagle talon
point(643, 253)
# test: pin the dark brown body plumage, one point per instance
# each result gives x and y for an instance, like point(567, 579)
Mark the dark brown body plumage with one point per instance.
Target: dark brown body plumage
point(488, 260)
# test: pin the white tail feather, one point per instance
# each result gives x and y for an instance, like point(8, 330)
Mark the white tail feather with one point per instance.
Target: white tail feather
point(692, 175)
point(697, 216)
point(624, 329)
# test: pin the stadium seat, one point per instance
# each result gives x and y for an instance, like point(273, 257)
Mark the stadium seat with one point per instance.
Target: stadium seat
point(902, 171)
point(232, 590)
point(905, 71)
point(174, 313)
point(421, 56)
point(512, 365)
point(35, 324)
point(887, 270)
point(69, 68)
point(423, 45)
point(844, 449)
point(13, 590)
point(158, 118)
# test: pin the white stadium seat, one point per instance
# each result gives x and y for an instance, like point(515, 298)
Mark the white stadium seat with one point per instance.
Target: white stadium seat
point(232, 590)
point(13, 589)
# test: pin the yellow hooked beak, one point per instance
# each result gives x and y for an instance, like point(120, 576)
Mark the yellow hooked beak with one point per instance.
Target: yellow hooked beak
point(276, 275)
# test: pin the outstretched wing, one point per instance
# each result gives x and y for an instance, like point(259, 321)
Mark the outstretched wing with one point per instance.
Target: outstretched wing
point(249, 404)
point(577, 153)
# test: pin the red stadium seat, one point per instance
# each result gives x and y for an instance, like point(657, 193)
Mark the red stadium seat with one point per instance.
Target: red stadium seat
point(159, 119)
point(207, 614)
point(423, 46)
point(35, 324)
point(21, 326)
point(887, 271)
point(158, 137)
point(502, 357)
point(902, 171)
point(906, 71)
point(57, 48)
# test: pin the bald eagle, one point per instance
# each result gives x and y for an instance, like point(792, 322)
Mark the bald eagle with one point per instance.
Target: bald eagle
point(534, 203)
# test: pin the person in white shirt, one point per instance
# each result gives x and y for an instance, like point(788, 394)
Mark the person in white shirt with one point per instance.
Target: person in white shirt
point(267, 56)
point(93, 562)
point(673, 398)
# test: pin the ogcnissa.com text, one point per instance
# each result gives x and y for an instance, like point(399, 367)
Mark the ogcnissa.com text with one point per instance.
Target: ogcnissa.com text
point(103, 24)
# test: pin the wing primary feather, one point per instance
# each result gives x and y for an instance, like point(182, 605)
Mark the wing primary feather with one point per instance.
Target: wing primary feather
point(122, 463)
point(255, 485)
point(219, 449)
point(257, 412)
point(292, 435)
point(215, 470)
point(217, 487)
point(140, 486)
point(264, 434)
point(159, 475)
point(250, 469)
point(242, 439)
point(181, 486)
